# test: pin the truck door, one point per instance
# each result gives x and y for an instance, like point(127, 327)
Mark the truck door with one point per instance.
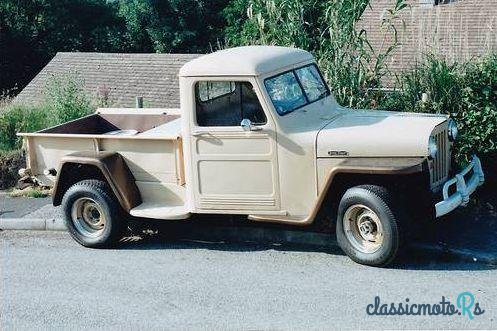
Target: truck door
point(233, 149)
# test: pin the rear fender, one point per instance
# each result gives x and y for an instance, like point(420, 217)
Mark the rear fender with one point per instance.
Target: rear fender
point(107, 166)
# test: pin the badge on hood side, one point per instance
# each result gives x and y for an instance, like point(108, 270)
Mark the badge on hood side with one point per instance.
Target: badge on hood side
point(338, 153)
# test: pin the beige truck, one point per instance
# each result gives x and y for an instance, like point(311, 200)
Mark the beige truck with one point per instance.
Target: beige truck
point(258, 133)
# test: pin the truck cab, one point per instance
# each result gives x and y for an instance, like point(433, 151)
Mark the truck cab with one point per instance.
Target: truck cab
point(258, 133)
point(252, 129)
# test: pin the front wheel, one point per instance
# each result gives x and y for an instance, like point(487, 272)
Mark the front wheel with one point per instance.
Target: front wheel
point(92, 215)
point(368, 226)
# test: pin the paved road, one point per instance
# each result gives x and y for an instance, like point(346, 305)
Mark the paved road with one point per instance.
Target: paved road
point(48, 281)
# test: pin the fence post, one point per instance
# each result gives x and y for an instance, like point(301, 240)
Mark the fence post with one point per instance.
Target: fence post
point(424, 97)
point(139, 102)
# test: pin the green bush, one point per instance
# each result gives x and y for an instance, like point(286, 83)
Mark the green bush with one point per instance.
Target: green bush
point(65, 100)
point(17, 118)
point(477, 117)
point(435, 77)
point(467, 92)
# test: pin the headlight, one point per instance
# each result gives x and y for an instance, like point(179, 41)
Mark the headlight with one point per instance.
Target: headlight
point(432, 148)
point(452, 127)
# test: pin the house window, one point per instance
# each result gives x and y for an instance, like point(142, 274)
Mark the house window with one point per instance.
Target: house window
point(443, 2)
point(431, 3)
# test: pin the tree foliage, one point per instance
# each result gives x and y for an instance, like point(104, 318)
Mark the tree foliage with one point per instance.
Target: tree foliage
point(172, 26)
point(32, 31)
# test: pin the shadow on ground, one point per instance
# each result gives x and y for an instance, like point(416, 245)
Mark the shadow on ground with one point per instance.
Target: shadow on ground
point(473, 227)
point(236, 235)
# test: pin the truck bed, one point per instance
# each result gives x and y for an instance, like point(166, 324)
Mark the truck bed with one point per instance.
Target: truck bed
point(161, 123)
point(149, 140)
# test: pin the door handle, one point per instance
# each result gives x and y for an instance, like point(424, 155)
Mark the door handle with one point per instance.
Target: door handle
point(255, 128)
point(199, 133)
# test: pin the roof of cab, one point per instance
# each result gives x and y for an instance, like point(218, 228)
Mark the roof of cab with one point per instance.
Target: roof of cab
point(244, 61)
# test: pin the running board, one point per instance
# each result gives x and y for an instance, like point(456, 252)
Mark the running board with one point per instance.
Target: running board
point(156, 211)
point(283, 219)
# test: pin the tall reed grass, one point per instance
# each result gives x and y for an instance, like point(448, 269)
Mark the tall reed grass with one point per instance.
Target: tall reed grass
point(329, 30)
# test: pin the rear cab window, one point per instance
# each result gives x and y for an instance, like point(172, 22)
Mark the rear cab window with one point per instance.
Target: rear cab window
point(227, 103)
point(208, 90)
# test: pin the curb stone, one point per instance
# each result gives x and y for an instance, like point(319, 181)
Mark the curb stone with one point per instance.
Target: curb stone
point(35, 224)
point(276, 236)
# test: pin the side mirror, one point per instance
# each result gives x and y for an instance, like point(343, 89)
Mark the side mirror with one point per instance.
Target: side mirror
point(246, 124)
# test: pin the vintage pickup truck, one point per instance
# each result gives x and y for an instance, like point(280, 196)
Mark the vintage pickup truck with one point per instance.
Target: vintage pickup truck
point(258, 133)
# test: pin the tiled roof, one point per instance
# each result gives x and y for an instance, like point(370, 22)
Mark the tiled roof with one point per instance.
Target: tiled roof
point(458, 31)
point(125, 76)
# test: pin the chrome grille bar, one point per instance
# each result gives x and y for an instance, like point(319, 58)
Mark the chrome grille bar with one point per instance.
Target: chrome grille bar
point(440, 169)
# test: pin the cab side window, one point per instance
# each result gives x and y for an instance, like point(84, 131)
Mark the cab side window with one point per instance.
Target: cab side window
point(226, 103)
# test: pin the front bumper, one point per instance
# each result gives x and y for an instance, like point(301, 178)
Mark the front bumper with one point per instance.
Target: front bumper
point(464, 188)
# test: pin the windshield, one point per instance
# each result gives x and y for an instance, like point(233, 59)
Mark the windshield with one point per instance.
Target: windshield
point(297, 88)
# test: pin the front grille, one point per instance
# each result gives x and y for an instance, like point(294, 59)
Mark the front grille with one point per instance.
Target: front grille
point(441, 163)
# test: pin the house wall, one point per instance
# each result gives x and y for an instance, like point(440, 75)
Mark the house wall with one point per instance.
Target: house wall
point(458, 31)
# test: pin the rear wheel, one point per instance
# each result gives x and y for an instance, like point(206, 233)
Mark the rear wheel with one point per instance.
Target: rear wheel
point(93, 216)
point(369, 225)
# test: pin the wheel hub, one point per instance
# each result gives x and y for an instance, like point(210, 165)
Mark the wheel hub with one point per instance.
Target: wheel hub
point(367, 227)
point(87, 217)
point(363, 228)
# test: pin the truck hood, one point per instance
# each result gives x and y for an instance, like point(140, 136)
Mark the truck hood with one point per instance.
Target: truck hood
point(363, 133)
